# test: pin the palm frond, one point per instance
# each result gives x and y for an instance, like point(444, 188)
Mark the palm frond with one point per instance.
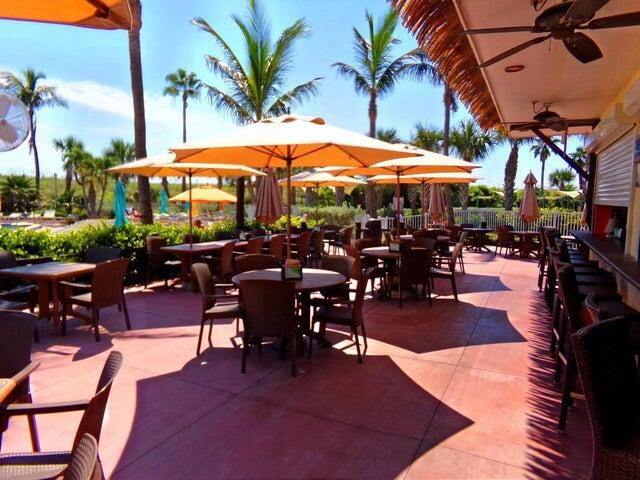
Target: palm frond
point(294, 96)
point(228, 104)
point(228, 52)
point(350, 72)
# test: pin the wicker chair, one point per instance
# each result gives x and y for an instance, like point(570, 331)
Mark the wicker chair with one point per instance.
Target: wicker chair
point(254, 261)
point(342, 264)
point(16, 334)
point(254, 245)
point(53, 464)
point(345, 238)
point(106, 289)
point(102, 254)
point(222, 266)
point(611, 386)
point(83, 464)
point(191, 238)
point(504, 241)
point(344, 312)
point(449, 272)
point(13, 295)
point(159, 264)
point(303, 247)
point(276, 247)
point(317, 248)
point(214, 307)
point(414, 270)
point(276, 318)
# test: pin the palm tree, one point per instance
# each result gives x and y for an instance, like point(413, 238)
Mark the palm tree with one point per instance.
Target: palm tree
point(542, 151)
point(139, 121)
point(376, 71)
point(255, 88)
point(561, 178)
point(581, 157)
point(35, 96)
point(82, 165)
point(185, 85)
point(118, 152)
point(473, 145)
point(511, 168)
point(65, 145)
point(428, 137)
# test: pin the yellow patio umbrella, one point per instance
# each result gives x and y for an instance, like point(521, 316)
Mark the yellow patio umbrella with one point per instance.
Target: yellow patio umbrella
point(288, 141)
point(165, 166)
point(423, 180)
point(529, 210)
point(316, 179)
point(101, 14)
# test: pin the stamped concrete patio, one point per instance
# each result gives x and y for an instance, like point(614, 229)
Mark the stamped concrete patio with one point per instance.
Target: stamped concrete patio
point(459, 390)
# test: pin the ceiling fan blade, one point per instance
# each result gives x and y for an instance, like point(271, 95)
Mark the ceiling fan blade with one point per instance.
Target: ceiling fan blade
point(478, 31)
point(8, 133)
point(5, 103)
point(630, 19)
point(514, 50)
point(582, 11)
point(582, 122)
point(582, 47)
point(523, 127)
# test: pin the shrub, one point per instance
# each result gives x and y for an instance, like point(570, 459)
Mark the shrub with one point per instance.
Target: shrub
point(332, 215)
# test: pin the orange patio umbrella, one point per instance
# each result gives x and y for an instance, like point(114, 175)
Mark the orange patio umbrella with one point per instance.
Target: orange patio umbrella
point(291, 141)
point(101, 14)
point(529, 210)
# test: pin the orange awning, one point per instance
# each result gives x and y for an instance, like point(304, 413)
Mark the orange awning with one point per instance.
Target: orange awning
point(101, 14)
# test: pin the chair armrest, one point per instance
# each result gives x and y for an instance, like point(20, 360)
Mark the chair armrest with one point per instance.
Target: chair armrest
point(23, 374)
point(16, 409)
point(82, 286)
point(217, 297)
point(18, 290)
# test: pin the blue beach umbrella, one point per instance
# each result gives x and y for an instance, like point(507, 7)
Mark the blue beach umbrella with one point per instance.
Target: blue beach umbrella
point(164, 209)
point(120, 205)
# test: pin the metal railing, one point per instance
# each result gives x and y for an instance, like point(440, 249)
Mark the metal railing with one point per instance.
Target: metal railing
point(494, 217)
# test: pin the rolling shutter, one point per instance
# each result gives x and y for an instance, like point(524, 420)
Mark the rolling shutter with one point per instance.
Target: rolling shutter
point(614, 175)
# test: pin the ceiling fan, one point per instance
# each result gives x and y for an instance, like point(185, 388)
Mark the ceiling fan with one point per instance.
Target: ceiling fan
point(550, 119)
point(561, 22)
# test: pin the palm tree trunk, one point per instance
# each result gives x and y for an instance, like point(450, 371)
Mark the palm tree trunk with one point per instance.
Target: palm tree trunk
point(220, 183)
point(137, 90)
point(165, 185)
point(240, 202)
point(370, 194)
point(33, 147)
point(250, 190)
point(448, 198)
point(464, 196)
point(510, 171)
point(339, 196)
point(92, 199)
point(101, 202)
point(68, 179)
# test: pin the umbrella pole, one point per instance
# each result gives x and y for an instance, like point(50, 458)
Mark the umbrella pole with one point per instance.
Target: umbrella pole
point(288, 208)
point(317, 203)
point(398, 204)
point(424, 201)
point(190, 215)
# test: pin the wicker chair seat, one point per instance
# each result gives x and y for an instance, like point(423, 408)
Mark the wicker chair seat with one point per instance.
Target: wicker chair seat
point(33, 465)
point(224, 310)
point(335, 315)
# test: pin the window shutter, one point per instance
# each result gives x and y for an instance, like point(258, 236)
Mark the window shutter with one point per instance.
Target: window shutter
point(614, 175)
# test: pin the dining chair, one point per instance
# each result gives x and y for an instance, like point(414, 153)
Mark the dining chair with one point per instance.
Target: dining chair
point(191, 238)
point(83, 462)
point(214, 306)
point(276, 247)
point(449, 272)
point(54, 464)
point(275, 318)
point(316, 250)
point(414, 270)
point(159, 264)
point(303, 247)
point(16, 335)
point(106, 290)
point(611, 384)
point(254, 245)
point(102, 254)
point(13, 294)
point(504, 242)
point(344, 312)
point(222, 265)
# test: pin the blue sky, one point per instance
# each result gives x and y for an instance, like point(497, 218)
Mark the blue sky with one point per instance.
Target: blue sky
point(91, 71)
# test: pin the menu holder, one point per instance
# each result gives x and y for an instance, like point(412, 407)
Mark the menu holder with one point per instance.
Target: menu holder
point(244, 236)
point(291, 270)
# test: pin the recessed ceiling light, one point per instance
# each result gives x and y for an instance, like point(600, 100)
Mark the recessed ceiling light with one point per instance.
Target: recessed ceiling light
point(514, 68)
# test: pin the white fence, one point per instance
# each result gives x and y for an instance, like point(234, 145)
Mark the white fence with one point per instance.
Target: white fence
point(563, 221)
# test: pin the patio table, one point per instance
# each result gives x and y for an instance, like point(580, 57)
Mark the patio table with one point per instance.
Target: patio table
point(48, 275)
point(188, 252)
point(523, 240)
point(6, 387)
point(479, 239)
point(313, 280)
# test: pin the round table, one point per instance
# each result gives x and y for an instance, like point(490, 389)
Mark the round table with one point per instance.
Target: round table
point(479, 239)
point(525, 244)
point(313, 279)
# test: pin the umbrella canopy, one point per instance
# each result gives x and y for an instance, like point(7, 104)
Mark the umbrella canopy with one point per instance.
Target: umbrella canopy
point(529, 210)
point(120, 205)
point(288, 141)
point(436, 202)
point(164, 209)
point(102, 14)
point(268, 200)
point(205, 194)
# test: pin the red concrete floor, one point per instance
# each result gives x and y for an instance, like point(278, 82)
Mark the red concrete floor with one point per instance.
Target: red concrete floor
point(458, 390)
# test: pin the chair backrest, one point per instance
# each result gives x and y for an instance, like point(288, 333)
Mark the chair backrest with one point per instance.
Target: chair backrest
point(503, 235)
point(356, 270)
point(303, 243)
point(7, 260)
point(16, 337)
point(226, 260)
point(358, 301)
point(254, 245)
point(155, 243)
point(107, 284)
point(362, 243)
point(254, 261)
point(453, 259)
point(387, 238)
point(191, 238)
point(462, 236)
point(414, 266)
point(93, 416)
point(275, 318)
point(570, 296)
point(347, 235)
point(455, 232)
point(258, 232)
point(83, 462)
point(204, 278)
point(102, 254)
point(318, 242)
point(610, 380)
point(276, 246)
point(342, 264)
point(427, 243)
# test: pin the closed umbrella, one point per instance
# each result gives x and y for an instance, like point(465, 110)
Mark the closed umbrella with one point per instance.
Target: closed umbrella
point(164, 209)
point(120, 205)
point(268, 199)
point(291, 141)
point(436, 202)
point(529, 210)
point(316, 179)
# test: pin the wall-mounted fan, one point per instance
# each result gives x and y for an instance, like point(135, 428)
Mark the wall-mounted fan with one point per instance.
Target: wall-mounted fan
point(550, 119)
point(14, 122)
point(561, 22)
